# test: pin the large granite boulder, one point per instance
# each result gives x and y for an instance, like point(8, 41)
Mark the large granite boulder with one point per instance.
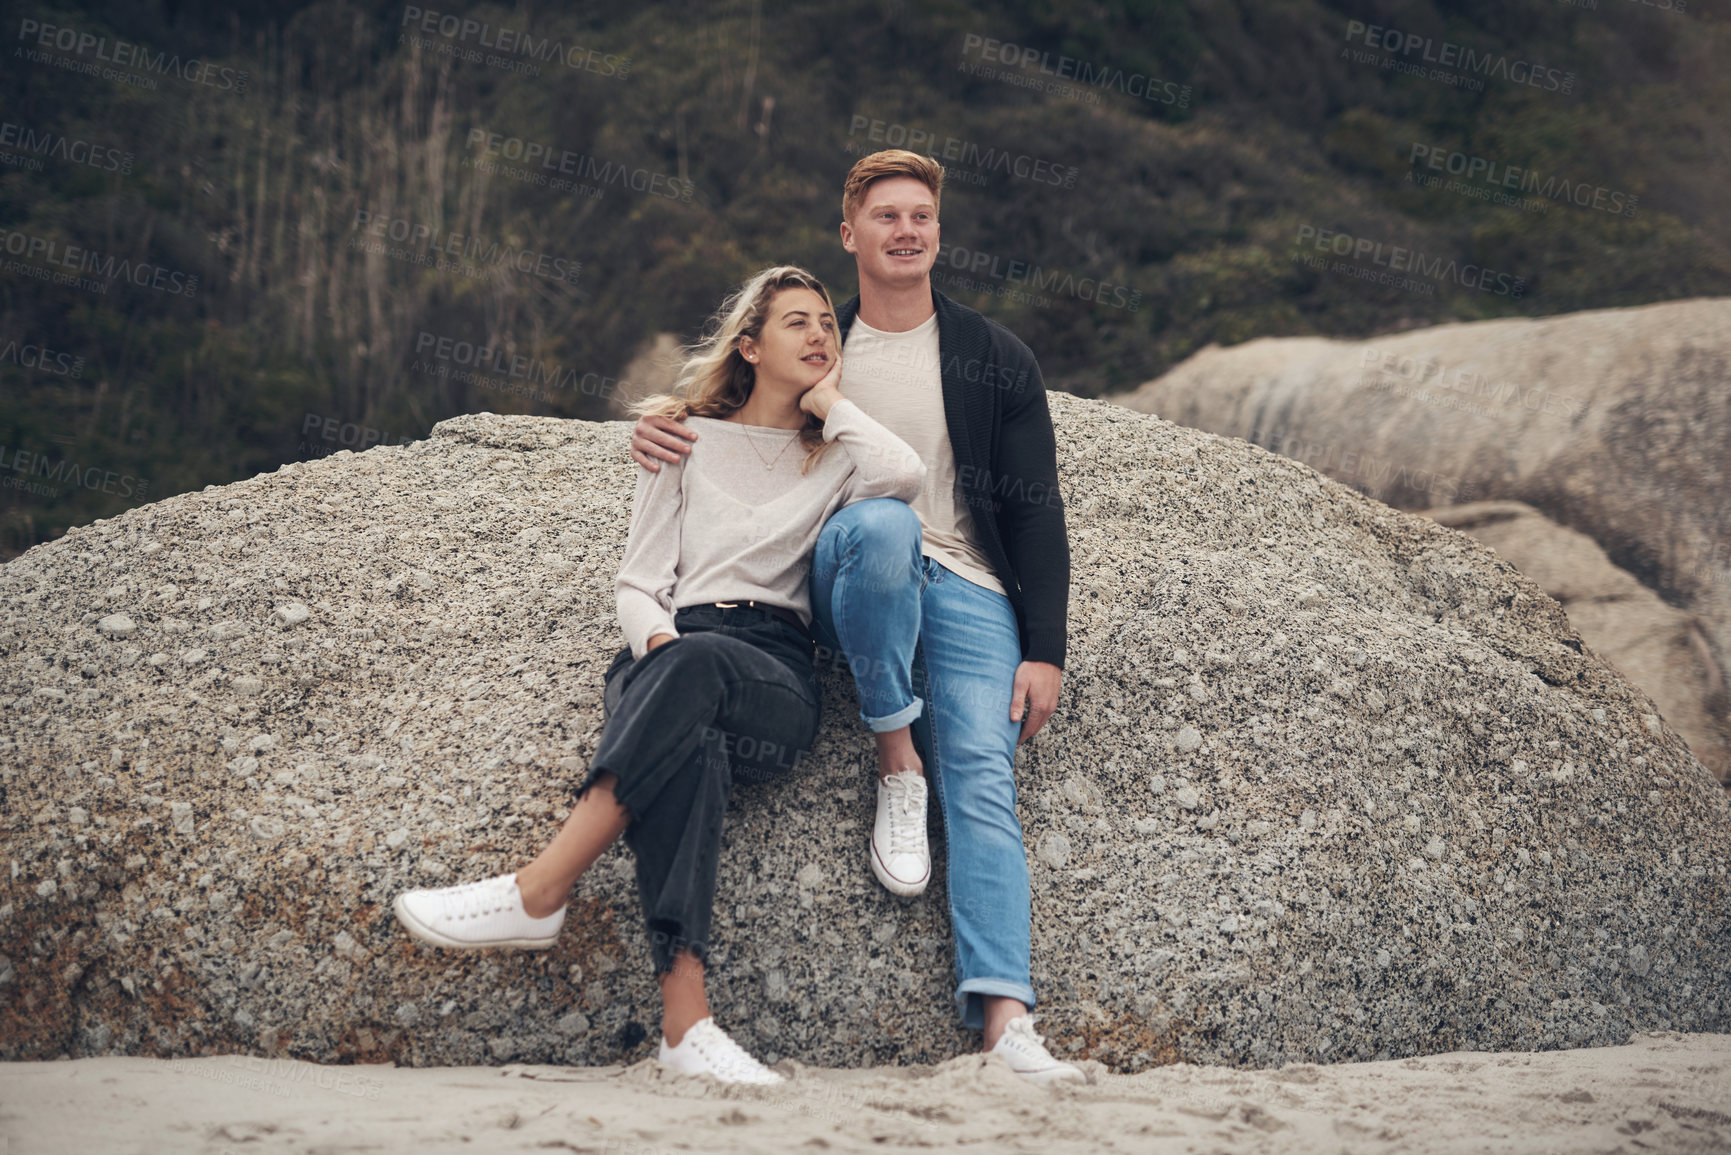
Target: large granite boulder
point(1660, 648)
point(1328, 781)
point(1614, 422)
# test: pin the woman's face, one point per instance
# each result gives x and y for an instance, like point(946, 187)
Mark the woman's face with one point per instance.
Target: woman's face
point(798, 343)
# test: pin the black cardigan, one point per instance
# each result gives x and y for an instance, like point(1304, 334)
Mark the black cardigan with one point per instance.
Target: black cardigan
point(1006, 466)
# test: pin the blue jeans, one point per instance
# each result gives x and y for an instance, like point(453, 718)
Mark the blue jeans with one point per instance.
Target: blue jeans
point(906, 625)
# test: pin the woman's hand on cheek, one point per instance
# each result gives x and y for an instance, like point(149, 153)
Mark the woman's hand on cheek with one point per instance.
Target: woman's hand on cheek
point(818, 399)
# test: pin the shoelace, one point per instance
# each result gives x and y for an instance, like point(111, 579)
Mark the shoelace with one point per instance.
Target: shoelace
point(1021, 1035)
point(725, 1057)
point(904, 815)
point(474, 899)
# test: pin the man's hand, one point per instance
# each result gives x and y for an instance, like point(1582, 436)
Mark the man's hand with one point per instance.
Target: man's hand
point(655, 439)
point(1037, 686)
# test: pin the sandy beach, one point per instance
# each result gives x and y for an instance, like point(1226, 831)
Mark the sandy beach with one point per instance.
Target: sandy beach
point(1664, 1091)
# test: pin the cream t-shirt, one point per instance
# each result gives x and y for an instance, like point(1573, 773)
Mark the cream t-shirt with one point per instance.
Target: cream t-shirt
point(897, 378)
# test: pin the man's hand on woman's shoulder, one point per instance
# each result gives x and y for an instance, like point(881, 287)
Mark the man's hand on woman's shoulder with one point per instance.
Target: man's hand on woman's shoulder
point(655, 439)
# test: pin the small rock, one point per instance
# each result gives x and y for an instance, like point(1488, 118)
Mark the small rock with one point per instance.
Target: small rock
point(292, 613)
point(117, 625)
point(1188, 797)
point(192, 657)
point(809, 875)
point(1189, 738)
point(265, 827)
point(397, 837)
point(1054, 850)
point(1434, 848)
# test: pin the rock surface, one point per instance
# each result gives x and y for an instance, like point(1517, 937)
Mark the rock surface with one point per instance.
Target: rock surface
point(1658, 647)
point(1614, 422)
point(1327, 782)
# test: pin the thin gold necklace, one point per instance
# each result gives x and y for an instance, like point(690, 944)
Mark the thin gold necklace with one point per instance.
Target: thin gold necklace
point(750, 440)
point(770, 464)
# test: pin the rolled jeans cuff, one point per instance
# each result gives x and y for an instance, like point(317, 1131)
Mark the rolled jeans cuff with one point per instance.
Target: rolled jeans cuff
point(895, 721)
point(973, 1007)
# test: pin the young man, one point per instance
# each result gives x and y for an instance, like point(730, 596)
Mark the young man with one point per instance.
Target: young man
point(962, 595)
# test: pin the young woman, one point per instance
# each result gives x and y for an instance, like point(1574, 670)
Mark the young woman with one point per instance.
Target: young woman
point(717, 680)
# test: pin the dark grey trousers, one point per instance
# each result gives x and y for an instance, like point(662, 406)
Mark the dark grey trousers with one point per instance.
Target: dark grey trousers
point(735, 695)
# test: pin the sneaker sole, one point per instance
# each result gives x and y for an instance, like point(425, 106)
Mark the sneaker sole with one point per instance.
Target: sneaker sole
point(779, 1080)
point(1054, 1075)
point(895, 885)
point(423, 933)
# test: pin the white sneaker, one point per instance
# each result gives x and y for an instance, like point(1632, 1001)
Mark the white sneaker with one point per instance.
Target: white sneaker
point(476, 916)
point(1026, 1052)
point(707, 1050)
point(900, 858)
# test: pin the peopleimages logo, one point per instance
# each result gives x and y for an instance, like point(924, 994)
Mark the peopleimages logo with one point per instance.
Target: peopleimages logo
point(1457, 57)
point(964, 153)
point(1408, 376)
point(470, 362)
point(29, 142)
point(317, 427)
point(1400, 258)
point(1088, 75)
point(1525, 180)
point(466, 253)
point(85, 260)
point(33, 465)
point(510, 42)
point(41, 358)
point(550, 159)
point(1036, 279)
point(122, 54)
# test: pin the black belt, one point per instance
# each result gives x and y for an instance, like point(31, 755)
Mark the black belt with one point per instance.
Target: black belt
point(781, 612)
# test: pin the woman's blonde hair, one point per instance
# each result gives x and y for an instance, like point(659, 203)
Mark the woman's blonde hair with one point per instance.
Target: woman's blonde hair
point(716, 379)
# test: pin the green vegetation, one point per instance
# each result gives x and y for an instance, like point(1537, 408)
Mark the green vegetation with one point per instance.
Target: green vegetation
point(1254, 124)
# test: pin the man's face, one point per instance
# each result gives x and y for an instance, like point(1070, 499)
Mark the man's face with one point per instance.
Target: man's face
point(894, 233)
